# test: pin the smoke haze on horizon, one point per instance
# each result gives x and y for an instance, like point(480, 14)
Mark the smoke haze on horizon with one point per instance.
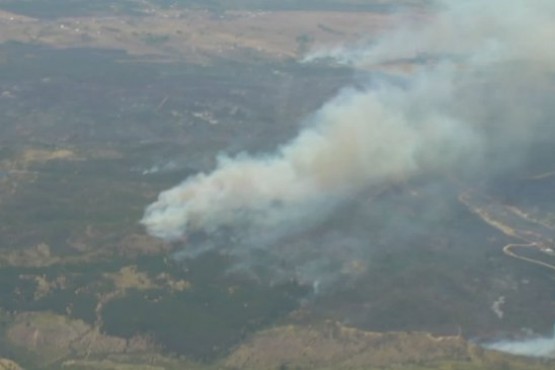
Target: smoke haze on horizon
point(475, 108)
point(542, 347)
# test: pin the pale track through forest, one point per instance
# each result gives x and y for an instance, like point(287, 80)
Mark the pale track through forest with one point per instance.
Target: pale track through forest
point(514, 223)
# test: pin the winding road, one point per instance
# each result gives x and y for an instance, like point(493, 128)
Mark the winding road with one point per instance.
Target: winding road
point(514, 223)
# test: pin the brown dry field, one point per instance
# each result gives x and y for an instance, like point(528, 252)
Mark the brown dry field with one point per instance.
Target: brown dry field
point(198, 36)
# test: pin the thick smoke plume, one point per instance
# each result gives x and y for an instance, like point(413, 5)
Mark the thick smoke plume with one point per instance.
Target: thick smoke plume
point(479, 94)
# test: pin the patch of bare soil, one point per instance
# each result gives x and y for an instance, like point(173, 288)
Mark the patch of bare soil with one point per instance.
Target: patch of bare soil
point(6, 364)
point(317, 347)
point(50, 338)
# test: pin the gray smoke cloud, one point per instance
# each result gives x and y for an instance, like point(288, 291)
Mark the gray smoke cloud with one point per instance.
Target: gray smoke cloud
point(478, 97)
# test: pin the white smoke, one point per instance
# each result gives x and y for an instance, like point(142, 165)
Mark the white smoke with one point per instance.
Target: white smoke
point(478, 97)
point(476, 31)
point(533, 347)
point(360, 139)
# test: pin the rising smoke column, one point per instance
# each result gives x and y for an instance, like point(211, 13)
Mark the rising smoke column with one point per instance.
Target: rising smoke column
point(360, 139)
point(475, 105)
